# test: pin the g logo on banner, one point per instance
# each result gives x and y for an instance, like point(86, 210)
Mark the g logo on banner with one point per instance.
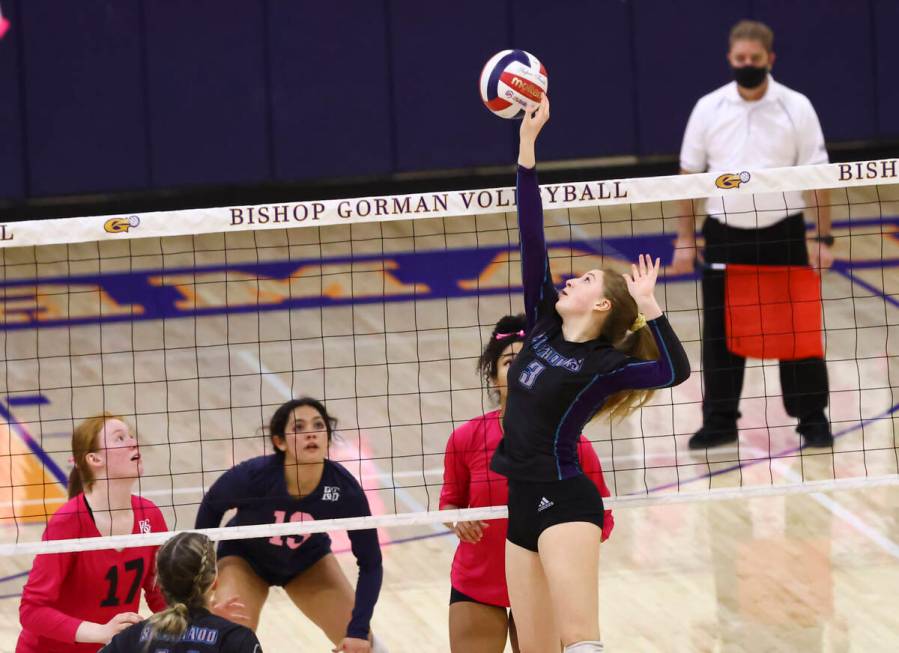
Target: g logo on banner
point(730, 180)
point(119, 225)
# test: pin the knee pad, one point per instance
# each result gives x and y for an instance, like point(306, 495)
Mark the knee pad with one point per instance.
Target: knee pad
point(585, 647)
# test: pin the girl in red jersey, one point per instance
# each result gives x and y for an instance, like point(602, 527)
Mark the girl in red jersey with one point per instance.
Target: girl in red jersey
point(478, 619)
point(75, 602)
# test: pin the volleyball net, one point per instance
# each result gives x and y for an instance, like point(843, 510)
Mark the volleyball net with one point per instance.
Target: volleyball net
point(196, 325)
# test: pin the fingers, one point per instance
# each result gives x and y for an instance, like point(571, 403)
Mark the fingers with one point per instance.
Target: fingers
point(470, 532)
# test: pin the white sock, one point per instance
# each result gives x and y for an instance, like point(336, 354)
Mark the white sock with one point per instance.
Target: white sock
point(377, 646)
point(585, 647)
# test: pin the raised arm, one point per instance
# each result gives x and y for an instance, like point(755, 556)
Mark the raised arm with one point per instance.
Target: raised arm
point(539, 293)
point(672, 366)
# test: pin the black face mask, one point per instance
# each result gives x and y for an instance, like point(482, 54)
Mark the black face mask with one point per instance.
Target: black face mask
point(750, 76)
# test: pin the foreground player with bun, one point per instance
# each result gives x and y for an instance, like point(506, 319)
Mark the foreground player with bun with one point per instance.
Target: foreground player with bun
point(186, 568)
point(478, 619)
point(598, 346)
point(298, 483)
point(73, 602)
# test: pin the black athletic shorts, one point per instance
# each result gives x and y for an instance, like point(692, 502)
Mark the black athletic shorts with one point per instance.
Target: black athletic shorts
point(459, 597)
point(273, 571)
point(534, 507)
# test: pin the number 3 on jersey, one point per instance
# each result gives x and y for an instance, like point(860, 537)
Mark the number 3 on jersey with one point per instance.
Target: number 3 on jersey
point(529, 374)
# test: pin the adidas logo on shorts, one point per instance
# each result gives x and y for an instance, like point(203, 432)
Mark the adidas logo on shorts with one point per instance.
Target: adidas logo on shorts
point(544, 504)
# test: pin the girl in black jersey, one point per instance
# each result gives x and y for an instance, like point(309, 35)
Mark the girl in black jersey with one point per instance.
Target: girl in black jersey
point(185, 567)
point(600, 345)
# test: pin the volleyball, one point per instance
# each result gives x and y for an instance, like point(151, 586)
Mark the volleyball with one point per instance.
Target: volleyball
point(511, 82)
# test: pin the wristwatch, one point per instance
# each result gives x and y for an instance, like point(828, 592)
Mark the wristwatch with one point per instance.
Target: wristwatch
point(825, 240)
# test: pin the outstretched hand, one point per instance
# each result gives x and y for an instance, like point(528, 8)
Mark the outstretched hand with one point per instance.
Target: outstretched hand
point(531, 124)
point(533, 120)
point(641, 284)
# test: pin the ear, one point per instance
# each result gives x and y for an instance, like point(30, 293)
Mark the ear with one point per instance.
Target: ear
point(279, 443)
point(94, 459)
point(771, 58)
point(603, 305)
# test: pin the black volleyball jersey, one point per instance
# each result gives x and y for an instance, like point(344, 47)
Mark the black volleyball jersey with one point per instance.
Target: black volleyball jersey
point(556, 386)
point(206, 633)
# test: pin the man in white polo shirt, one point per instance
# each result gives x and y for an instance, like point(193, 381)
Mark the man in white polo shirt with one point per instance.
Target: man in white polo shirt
point(753, 122)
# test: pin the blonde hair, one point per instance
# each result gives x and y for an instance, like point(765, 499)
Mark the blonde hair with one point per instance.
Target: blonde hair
point(639, 343)
point(752, 30)
point(85, 440)
point(185, 570)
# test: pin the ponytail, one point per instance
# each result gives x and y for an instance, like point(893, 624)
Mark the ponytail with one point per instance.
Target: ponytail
point(75, 487)
point(172, 621)
point(625, 327)
point(638, 344)
point(185, 568)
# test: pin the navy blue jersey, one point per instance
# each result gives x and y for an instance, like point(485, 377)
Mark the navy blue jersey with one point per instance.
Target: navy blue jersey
point(206, 633)
point(556, 386)
point(257, 488)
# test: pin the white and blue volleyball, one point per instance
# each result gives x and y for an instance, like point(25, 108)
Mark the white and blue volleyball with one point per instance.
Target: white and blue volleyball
point(513, 81)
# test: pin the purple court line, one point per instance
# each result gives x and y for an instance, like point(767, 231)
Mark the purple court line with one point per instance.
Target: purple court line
point(26, 400)
point(847, 273)
point(36, 449)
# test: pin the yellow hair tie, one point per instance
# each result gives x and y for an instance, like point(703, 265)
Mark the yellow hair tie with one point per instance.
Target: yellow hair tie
point(639, 323)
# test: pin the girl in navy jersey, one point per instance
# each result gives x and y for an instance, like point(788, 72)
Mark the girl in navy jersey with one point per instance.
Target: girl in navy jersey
point(186, 569)
point(598, 346)
point(74, 602)
point(298, 483)
point(478, 619)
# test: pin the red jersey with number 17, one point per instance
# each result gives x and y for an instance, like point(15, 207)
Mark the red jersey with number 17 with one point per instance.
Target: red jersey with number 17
point(64, 589)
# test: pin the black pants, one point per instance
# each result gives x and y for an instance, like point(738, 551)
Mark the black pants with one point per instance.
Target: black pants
point(804, 382)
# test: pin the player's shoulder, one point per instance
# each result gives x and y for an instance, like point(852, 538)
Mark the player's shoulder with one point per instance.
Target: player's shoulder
point(149, 511)
point(337, 474)
point(68, 520)
point(476, 425)
point(605, 358)
point(258, 468)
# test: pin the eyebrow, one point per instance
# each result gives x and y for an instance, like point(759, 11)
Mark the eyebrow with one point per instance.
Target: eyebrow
point(590, 274)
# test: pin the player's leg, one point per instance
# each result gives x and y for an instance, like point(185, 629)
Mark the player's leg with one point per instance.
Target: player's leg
point(513, 634)
point(236, 579)
point(323, 593)
point(531, 604)
point(476, 627)
point(569, 554)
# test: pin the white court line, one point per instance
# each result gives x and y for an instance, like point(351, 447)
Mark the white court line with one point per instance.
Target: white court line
point(842, 512)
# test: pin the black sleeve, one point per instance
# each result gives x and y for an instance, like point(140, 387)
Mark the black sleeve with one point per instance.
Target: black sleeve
point(240, 640)
point(225, 493)
point(367, 551)
point(120, 643)
point(670, 369)
point(539, 293)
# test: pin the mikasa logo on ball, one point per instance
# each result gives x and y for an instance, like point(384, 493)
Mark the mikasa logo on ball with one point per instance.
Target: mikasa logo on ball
point(512, 82)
